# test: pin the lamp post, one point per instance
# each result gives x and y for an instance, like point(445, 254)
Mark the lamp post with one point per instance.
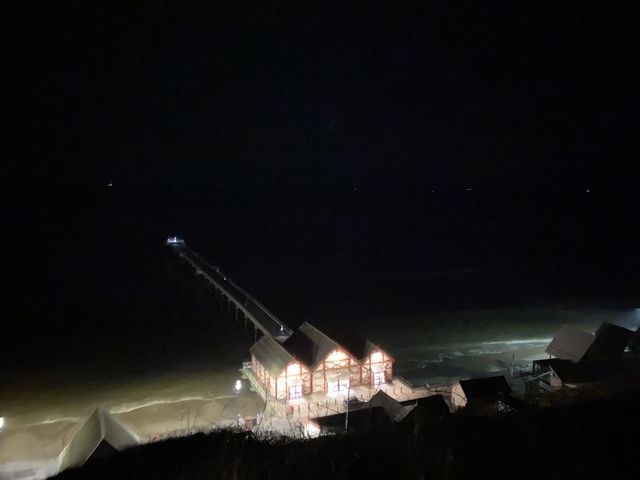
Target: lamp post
point(346, 417)
point(238, 388)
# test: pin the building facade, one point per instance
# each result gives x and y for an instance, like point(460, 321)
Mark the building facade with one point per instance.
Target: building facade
point(312, 361)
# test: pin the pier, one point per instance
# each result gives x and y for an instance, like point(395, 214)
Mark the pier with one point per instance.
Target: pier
point(243, 302)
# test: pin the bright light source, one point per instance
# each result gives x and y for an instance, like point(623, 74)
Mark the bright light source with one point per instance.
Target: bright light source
point(238, 386)
point(1, 422)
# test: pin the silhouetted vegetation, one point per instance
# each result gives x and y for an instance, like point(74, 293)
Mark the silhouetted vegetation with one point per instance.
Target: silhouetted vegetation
point(590, 440)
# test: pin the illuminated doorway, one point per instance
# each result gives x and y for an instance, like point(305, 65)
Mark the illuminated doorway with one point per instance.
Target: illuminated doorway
point(295, 391)
point(338, 385)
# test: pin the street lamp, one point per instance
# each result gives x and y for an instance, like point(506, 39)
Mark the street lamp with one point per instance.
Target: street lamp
point(238, 388)
point(1, 422)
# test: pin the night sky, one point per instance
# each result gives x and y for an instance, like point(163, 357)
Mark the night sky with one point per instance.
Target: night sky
point(491, 137)
point(492, 95)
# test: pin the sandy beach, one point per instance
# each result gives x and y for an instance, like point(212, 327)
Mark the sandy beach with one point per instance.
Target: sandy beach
point(31, 451)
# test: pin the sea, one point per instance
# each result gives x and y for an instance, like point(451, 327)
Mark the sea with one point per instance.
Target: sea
point(453, 284)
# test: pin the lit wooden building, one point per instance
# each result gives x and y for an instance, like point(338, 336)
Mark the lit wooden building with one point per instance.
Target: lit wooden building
point(312, 361)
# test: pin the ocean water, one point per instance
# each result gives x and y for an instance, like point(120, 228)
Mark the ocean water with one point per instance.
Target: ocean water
point(104, 314)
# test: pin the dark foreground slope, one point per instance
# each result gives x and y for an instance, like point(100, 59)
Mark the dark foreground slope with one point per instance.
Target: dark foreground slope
point(595, 440)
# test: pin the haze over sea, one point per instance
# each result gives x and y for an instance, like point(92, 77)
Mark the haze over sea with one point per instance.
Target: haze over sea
point(453, 283)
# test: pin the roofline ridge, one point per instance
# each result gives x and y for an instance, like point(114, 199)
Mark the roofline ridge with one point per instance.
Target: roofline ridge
point(323, 334)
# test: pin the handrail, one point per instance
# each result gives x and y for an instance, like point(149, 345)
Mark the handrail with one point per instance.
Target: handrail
point(202, 265)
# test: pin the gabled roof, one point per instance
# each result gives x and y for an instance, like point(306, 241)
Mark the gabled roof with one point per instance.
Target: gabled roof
point(612, 339)
point(322, 345)
point(310, 346)
point(271, 354)
point(324, 342)
point(300, 346)
point(101, 427)
point(433, 406)
point(488, 388)
point(570, 343)
point(394, 409)
point(357, 346)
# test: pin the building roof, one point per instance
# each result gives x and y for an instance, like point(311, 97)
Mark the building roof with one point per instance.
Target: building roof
point(271, 354)
point(322, 345)
point(433, 406)
point(358, 346)
point(100, 427)
point(612, 339)
point(363, 419)
point(394, 409)
point(300, 346)
point(488, 388)
point(310, 346)
point(570, 343)
point(592, 371)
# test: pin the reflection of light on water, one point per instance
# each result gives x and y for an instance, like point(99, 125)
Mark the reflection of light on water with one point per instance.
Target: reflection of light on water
point(519, 342)
point(125, 408)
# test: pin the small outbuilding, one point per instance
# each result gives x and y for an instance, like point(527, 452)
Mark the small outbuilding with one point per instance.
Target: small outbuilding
point(485, 395)
point(611, 341)
point(100, 436)
point(395, 410)
point(570, 343)
point(427, 411)
point(564, 373)
point(363, 420)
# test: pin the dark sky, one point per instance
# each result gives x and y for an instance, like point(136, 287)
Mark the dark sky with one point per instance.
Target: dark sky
point(191, 109)
point(495, 95)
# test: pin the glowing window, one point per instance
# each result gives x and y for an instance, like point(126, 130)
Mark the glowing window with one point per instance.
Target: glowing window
point(336, 356)
point(377, 357)
point(378, 378)
point(295, 391)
